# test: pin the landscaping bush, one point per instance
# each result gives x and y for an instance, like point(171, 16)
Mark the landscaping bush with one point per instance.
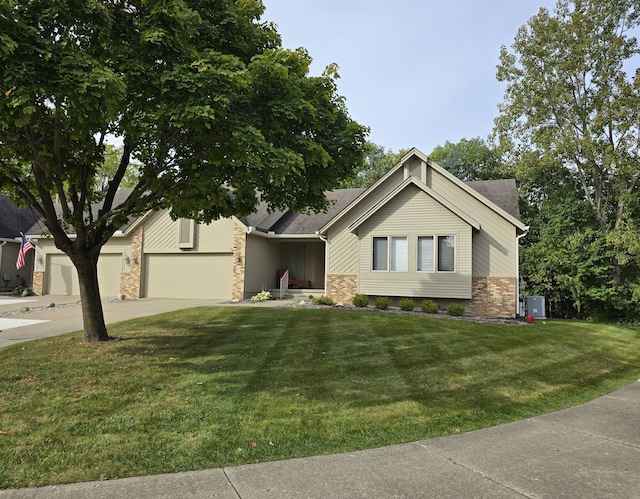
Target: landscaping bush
point(262, 296)
point(455, 309)
point(382, 303)
point(407, 304)
point(323, 300)
point(360, 300)
point(429, 306)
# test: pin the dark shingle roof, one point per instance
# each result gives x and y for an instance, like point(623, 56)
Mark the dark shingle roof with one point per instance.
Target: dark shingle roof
point(297, 223)
point(13, 219)
point(39, 226)
point(503, 193)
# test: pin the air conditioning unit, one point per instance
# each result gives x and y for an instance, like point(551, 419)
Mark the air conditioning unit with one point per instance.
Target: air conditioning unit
point(535, 307)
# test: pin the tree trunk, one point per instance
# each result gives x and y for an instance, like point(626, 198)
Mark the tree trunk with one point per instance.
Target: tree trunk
point(95, 328)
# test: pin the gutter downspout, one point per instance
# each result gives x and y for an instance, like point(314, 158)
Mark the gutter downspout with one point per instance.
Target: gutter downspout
point(326, 258)
point(526, 231)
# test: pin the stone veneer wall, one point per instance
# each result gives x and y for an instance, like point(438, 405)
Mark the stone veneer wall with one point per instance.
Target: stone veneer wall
point(131, 281)
point(342, 287)
point(38, 283)
point(494, 296)
point(239, 264)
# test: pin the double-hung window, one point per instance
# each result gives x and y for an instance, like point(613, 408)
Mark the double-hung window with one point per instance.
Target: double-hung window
point(446, 254)
point(380, 253)
point(390, 253)
point(425, 254)
point(440, 258)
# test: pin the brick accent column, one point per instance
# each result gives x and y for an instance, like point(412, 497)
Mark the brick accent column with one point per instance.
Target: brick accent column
point(342, 287)
point(494, 296)
point(38, 283)
point(239, 262)
point(131, 277)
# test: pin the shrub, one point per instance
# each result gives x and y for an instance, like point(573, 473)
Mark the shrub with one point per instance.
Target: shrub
point(323, 300)
point(455, 309)
point(360, 300)
point(262, 296)
point(382, 303)
point(429, 306)
point(406, 304)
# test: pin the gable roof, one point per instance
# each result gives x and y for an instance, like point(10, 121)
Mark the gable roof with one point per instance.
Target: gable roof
point(413, 181)
point(14, 219)
point(509, 197)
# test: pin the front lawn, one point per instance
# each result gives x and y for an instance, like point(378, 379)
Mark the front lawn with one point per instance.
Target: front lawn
point(213, 387)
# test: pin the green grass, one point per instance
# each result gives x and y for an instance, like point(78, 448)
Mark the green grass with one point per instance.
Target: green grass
point(213, 387)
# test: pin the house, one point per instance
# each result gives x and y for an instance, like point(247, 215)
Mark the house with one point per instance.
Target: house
point(418, 232)
point(13, 221)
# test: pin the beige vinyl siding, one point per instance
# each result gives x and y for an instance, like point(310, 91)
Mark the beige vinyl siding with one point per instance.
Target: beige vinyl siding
point(62, 277)
point(494, 251)
point(343, 244)
point(263, 259)
point(188, 276)
point(399, 218)
point(162, 235)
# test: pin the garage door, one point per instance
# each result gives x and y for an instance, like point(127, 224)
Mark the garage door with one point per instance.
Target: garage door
point(62, 278)
point(188, 276)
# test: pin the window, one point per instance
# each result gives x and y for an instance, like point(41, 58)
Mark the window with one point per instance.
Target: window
point(399, 254)
point(425, 254)
point(380, 253)
point(446, 254)
point(390, 254)
point(185, 233)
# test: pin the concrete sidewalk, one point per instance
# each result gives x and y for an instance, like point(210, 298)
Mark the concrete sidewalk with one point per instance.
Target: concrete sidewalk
point(588, 451)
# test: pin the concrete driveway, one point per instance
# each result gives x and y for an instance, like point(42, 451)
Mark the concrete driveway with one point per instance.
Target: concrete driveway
point(51, 315)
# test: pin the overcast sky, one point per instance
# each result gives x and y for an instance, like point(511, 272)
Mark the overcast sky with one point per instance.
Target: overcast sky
point(417, 72)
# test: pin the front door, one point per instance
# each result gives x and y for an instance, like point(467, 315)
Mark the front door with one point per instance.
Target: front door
point(298, 262)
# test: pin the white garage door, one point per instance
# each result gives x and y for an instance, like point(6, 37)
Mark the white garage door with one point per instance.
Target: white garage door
point(188, 276)
point(62, 278)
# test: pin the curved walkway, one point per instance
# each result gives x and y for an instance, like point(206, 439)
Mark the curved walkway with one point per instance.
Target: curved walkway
point(588, 451)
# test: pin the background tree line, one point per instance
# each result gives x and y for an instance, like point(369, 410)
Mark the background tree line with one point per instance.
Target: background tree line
point(569, 132)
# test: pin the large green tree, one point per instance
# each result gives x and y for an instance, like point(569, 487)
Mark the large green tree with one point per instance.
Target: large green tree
point(377, 162)
point(570, 105)
point(471, 159)
point(200, 93)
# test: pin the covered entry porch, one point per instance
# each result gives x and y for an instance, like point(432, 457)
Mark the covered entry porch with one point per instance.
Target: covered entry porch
point(301, 260)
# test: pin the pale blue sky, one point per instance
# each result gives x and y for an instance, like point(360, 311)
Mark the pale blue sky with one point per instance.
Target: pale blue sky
point(417, 72)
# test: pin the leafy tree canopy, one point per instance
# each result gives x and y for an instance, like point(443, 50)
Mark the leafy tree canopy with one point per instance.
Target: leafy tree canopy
point(202, 96)
point(377, 162)
point(570, 123)
point(471, 160)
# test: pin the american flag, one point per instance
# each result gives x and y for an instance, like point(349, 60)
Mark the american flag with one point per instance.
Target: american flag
point(25, 246)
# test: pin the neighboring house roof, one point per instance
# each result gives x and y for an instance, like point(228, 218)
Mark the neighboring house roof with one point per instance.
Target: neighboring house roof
point(39, 226)
point(13, 219)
